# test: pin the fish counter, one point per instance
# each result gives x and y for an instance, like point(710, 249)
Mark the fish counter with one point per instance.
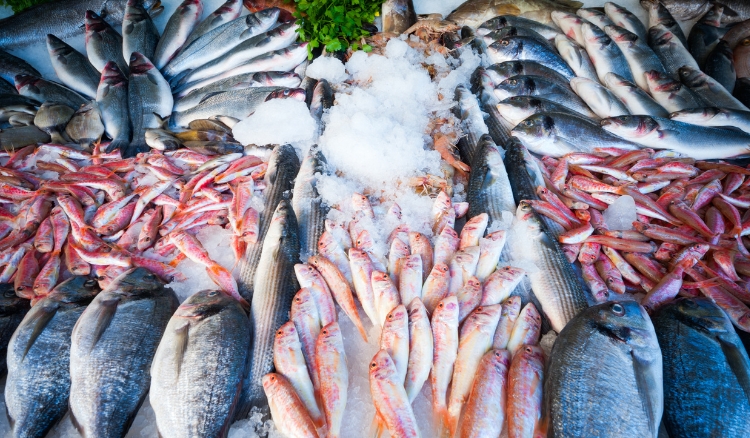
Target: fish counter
point(498, 215)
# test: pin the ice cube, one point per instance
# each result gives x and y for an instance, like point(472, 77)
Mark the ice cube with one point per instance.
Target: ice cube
point(620, 215)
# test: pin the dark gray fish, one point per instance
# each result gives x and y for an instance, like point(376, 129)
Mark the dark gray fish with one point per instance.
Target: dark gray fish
point(499, 128)
point(139, 33)
point(197, 369)
point(735, 11)
point(214, 147)
point(398, 15)
point(103, 43)
point(149, 99)
point(511, 31)
point(712, 116)
point(489, 189)
point(705, 34)
point(640, 57)
point(12, 66)
point(12, 311)
point(42, 91)
point(274, 289)
point(697, 339)
point(86, 127)
point(112, 346)
point(670, 50)
point(720, 65)
point(18, 137)
point(73, 68)
point(177, 30)
point(225, 13)
point(658, 14)
point(627, 391)
point(686, 10)
point(508, 69)
point(6, 87)
point(36, 392)
point(504, 21)
point(52, 118)
point(112, 97)
point(538, 86)
point(518, 175)
point(472, 123)
point(524, 48)
point(518, 108)
point(308, 206)
point(742, 91)
point(321, 99)
point(709, 89)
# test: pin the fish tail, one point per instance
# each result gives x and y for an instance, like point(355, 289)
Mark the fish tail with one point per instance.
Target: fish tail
point(358, 322)
point(117, 144)
point(134, 148)
point(377, 426)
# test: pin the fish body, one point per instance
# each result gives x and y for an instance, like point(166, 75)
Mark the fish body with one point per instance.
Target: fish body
point(670, 50)
point(390, 399)
point(42, 91)
point(525, 48)
point(12, 311)
point(73, 68)
point(712, 116)
point(11, 66)
point(398, 15)
point(103, 43)
point(605, 54)
point(186, 100)
point(112, 98)
point(475, 12)
point(176, 31)
point(710, 90)
point(149, 100)
point(637, 100)
point(540, 87)
point(307, 204)
point(225, 13)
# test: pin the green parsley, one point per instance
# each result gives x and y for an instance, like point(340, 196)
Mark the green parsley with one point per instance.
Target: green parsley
point(20, 5)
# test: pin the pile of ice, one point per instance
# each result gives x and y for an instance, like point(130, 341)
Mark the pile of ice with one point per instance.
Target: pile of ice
point(277, 121)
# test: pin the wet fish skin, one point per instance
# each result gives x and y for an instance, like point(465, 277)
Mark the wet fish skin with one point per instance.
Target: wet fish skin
point(625, 19)
point(195, 380)
point(42, 90)
point(709, 89)
point(525, 48)
point(333, 374)
point(670, 50)
point(398, 15)
point(658, 14)
point(11, 66)
point(225, 13)
point(604, 53)
point(686, 10)
point(149, 101)
point(525, 382)
point(390, 399)
point(113, 344)
point(308, 207)
point(538, 86)
point(287, 410)
point(514, 31)
point(635, 99)
point(705, 34)
point(185, 101)
point(18, 137)
point(720, 65)
point(12, 311)
point(485, 409)
point(103, 43)
point(696, 336)
point(36, 391)
point(475, 12)
point(112, 98)
point(600, 99)
point(621, 335)
point(139, 34)
point(713, 116)
point(507, 69)
point(469, 112)
point(503, 21)
point(176, 31)
point(640, 57)
point(576, 57)
point(670, 94)
point(489, 189)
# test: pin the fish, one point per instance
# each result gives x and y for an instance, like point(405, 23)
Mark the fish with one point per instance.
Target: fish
point(18, 137)
point(679, 136)
point(576, 57)
point(705, 34)
point(527, 49)
point(512, 32)
point(139, 34)
point(658, 14)
point(695, 336)
point(475, 12)
point(620, 334)
point(195, 380)
point(636, 99)
point(709, 89)
point(52, 117)
point(640, 57)
point(333, 375)
point(735, 11)
point(485, 409)
point(570, 24)
point(444, 324)
point(307, 204)
point(113, 344)
point(225, 13)
point(420, 349)
point(398, 16)
point(625, 19)
point(685, 10)
point(85, 127)
point(149, 100)
point(537, 86)
point(103, 44)
point(720, 65)
point(12, 66)
point(274, 288)
point(176, 31)
point(595, 16)
point(525, 383)
point(670, 94)
point(716, 117)
point(321, 99)
point(38, 383)
point(503, 21)
point(42, 91)
point(605, 54)
point(394, 340)
point(287, 410)
point(489, 189)
point(73, 68)
point(112, 99)
point(670, 50)
point(602, 101)
point(472, 122)
point(12, 311)
point(508, 69)
point(391, 402)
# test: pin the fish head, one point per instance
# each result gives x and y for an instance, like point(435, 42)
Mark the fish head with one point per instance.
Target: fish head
point(518, 108)
point(303, 301)
point(139, 64)
point(27, 81)
point(483, 317)
point(380, 280)
point(264, 17)
point(500, 360)
point(620, 34)
point(112, 76)
point(696, 115)
point(287, 93)
point(566, 21)
point(398, 317)
point(78, 289)
point(515, 86)
point(531, 315)
point(699, 313)
point(506, 49)
point(57, 47)
point(416, 309)
point(136, 280)
point(534, 130)
point(713, 16)
point(273, 383)
point(659, 35)
point(447, 311)
point(358, 257)
point(691, 77)
point(630, 126)
point(287, 335)
point(511, 307)
point(624, 321)
point(330, 333)
point(11, 303)
point(203, 304)
point(525, 211)
point(382, 367)
point(532, 355)
point(94, 25)
point(306, 274)
point(593, 35)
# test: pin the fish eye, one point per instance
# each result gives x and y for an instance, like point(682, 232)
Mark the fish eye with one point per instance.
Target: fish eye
point(512, 81)
point(325, 331)
point(213, 293)
point(528, 349)
point(618, 310)
point(89, 283)
point(390, 317)
point(504, 42)
point(150, 277)
point(373, 365)
point(279, 332)
point(441, 305)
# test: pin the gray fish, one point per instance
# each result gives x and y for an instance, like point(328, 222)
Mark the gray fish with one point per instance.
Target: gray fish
point(103, 43)
point(321, 100)
point(18, 137)
point(73, 68)
point(36, 392)
point(12, 311)
point(511, 31)
point(214, 147)
point(52, 118)
point(624, 18)
point(86, 127)
point(473, 13)
point(557, 134)
point(139, 33)
point(735, 11)
point(576, 57)
point(709, 89)
point(520, 180)
point(697, 339)
point(699, 142)
point(176, 31)
point(570, 24)
point(162, 140)
point(149, 99)
point(601, 101)
point(538, 86)
point(472, 123)
point(308, 206)
point(635, 99)
point(685, 10)
point(640, 57)
point(274, 289)
point(670, 50)
point(604, 53)
point(112, 98)
point(398, 15)
point(225, 13)
point(720, 65)
point(518, 108)
point(238, 104)
point(195, 380)
point(670, 94)
point(503, 21)
point(705, 34)
point(42, 91)
point(112, 346)
point(524, 48)
point(11, 104)
point(489, 189)
point(595, 16)
point(11, 66)
point(713, 116)
point(658, 14)
point(220, 40)
point(627, 391)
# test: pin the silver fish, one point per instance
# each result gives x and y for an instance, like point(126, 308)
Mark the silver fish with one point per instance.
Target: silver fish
point(73, 69)
point(640, 57)
point(42, 91)
point(604, 53)
point(538, 86)
point(576, 57)
point(225, 13)
point(307, 204)
point(670, 50)
point(625, 19)
point(508, 69)
point(149, 99)
point(504, 21)
point(658, 14)
point(489, 189)
point(594, 16)
point(474, 12)
point(112, 97)
point(139, 33)
point(635, 99)
point(176, 31)
point(321, 100)
point(670, 94)
point(103, 43)
point(525, 48)
point(11, 66)
point(518, 108)
point(712, 116)
point(18, 137)
point(602, 101)
point(709, 89)
point(472, 123)
point(705, 35)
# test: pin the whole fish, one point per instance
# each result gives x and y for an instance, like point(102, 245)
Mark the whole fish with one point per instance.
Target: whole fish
point(307, 204)
point(85, 127)
point(720, 65)
point(274, 287)
point(112, 346)
point(73, 68)
point(512, 32)
point(225, 13)
point(472, 122)
point(139, 34)
point(637, 100)
point(149, 100)
point(185, 101)
point(445, 336)
point(36, 392)
point(321, 99)
point(525, 382)
point(670, 50)
point(390, 399)
point(576, 57)
point(18, 137)
point(685, 10)
point(42, 91)
point(112, 98)
point(705, 34)
point(485, 409)
point(716, 117)
point(195, 380)
point(398, 15)
point(695, 336)
point(103, 43)
point(528, 49)
point(420, 349)
point(602, 101)
point(11, 66)
point(735, 11)
point(640, 57)
point(625, 19)
point(503, 21)
point(658, 14)
point(52, 117)
point(333, 374)
point(508, 69)
point(605, 54)
point(12, 311)
point(621, 335)
point(176, 31)
point(287, 410)
point(475, 12)
point(709, 89)
point(537, 86)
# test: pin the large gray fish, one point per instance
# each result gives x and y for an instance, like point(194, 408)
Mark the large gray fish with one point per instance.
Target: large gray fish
point(705, 34)
point(220, 40)
point(576, 57)
point(670, 50)
point(685, 10)
point(112, 346)
point(635, 99)
point(472, 123)
point(605, 54)
point(18, 137)
point(321, 99)
point(720, 65)
point(709, 89)
point(275, 286)
point(712, 116)
point(627, 389)
point(489, 189)
point(73, 68)
point(398, 15)
point(308, 206)
point(497, 35)
point(525, 48)
point(63, 18)
point(149, 99)
point(185, 101)
point(11, 66)
point(699, 142)
point(225, 13)
point(697, 339)
point(238, 104)
point(640, 57)
point(42, 91)
point(518, 108)
point(658, 14)
point(600, 99)
point(12, 311)
point(112, 97)
point(504, 21)
point(671, 94)
point(557, 134)
point(103, 43)
point(176, 32)
point(36, 392)
point(625, 19)
point(139, 33)
point(538, 86)
point(475, 12)
point(197, 369)
point(506, 70)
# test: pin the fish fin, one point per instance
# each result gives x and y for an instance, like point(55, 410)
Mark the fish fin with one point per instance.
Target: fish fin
point(106, 312)
point(134, 148)
point(376, 426)
point(646, 381)
point(210, 95)
point(117, 144)
point(163, 121)
point(181, 341)
point(738, 362)
point(42, 316)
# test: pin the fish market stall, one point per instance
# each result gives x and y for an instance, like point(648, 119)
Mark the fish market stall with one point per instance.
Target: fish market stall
point(442, 225)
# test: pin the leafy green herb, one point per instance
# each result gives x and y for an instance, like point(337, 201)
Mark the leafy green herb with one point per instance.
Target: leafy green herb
point(335, 24)
point(20, 5)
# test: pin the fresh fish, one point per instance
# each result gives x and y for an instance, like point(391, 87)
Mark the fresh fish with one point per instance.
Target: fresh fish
point(595, 16)
point(420, 349)
point(716, 117)
point(527, 49)
point(391, 402)
point(112, 98)
point(735, 11)
point(504, 21)
point(658, 14)
point(176, 31)
point(640, 57)
point(42, 91)
point(508, 69)
point(398, 15)
point(697, 338)
point(485, 409)
point(52, 117)
point(112, 346)
point(625, 19)
point(287, 410)
point(525, 382)
point(12, 66)
point(681, 137)
point(705, 34)
point(149, 99)
point(602, 101)
point(518, 108)
point(720, 65)
point(394, 339)
point(73, 69)
point(321, 100)
point(445, 335)
point(18, 137)
point(219, 40)
point(512, 32)
point(472, 123)
point(670, 50)
point(274, 287)
point(85, 127)
point(475, 12)
point(307, 204)
point(195, 379)
point(635, 99)
point(489, 190)
point(570, 24)
point(685, 10)
point(621, 335)
point(709, 89)
point(225, 13)
point(333, 374)
point(576, 57)
point(605, 54)
point(540, 87)
point(103, 43)
point(670, 94)
point(139, 33)
point(36, 392)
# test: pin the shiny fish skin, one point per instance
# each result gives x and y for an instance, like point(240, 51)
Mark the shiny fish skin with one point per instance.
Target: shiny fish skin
point(518, 108)
point(715, 117)
point(709, 89)
point(42, 91)
point(421, 349)
point(149, 100)
point(576, 57)
point(390, 399)
point(503, 21)
point(73, 68)
point(720, 66)
point(103, 43)
point(12, 311)
point(187, 100)
point(485, 409)
point(139, 34)
point(394, 340)
point(524, 48)
point(308, 207)
point(176, 31)
point(604, 53)
point(225, 13)
point(333, 374)
point(670, 50)
point(445, 340)
point(602, 101)
point(537, 86)
point(287, 409)
point(11, 66)
point(637, 100)
point(489, 190)
point(640, 57)
point(525, 381)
